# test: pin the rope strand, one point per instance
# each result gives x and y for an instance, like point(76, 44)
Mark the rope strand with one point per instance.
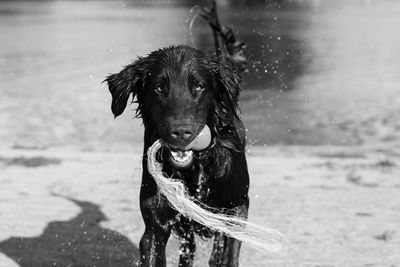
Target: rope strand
point(174, 190)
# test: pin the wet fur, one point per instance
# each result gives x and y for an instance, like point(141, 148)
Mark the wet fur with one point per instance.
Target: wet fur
point(218, 176)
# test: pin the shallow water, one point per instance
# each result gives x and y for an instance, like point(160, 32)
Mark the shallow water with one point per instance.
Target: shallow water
point(320, 73)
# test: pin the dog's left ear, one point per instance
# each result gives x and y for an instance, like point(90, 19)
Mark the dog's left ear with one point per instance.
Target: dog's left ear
point(228, 89)
point(126, 82)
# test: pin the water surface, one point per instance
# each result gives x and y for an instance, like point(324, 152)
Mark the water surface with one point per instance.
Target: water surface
point(319, 73)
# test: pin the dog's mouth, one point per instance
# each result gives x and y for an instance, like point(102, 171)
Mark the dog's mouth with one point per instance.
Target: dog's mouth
point(182, 158)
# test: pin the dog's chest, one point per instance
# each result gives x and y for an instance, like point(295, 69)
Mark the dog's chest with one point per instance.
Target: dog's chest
point(198, 182)
point(199, 178)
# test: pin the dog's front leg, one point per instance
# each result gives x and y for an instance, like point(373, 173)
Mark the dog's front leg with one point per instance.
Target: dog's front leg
point(152, 247)
point(226, 249)
point(158, 216)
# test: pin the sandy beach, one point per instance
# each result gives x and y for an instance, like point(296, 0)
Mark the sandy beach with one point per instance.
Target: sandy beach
point(336, 206)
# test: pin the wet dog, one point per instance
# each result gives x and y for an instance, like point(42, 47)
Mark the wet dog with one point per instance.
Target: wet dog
point(179, 91)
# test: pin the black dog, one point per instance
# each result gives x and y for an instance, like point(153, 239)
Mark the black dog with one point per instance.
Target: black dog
point(179, 90)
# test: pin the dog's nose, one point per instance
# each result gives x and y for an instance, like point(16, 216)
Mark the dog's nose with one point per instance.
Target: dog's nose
point(181, 133)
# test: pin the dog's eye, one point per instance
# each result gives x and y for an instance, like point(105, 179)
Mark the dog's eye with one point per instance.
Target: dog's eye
point(199, 88)
point(160, 89)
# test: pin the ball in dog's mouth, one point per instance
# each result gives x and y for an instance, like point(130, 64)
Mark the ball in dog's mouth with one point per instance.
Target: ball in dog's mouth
point(183, 158)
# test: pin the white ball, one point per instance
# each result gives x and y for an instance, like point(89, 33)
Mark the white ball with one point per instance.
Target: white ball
point(202, 140)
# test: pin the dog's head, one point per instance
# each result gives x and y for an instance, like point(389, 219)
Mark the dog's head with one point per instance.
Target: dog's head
point(178, 90)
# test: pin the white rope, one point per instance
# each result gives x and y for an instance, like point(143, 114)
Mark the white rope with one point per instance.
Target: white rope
point(233, 226)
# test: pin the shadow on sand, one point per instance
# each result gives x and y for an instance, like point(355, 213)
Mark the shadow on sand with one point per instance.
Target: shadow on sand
point(80, 241)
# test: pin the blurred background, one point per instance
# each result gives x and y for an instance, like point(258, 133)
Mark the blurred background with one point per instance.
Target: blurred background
point(320, 72)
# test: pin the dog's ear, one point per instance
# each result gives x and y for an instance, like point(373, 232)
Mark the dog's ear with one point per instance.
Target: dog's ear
point(126, 82)
point(228, 89)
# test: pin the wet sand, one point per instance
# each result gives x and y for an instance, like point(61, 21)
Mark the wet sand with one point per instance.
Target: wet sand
point(337, 207)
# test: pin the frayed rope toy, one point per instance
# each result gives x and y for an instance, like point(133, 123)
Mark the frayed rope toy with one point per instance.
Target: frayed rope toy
point(174, 190)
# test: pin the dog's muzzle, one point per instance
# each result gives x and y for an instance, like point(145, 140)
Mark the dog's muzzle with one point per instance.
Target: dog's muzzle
point(183, 158)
